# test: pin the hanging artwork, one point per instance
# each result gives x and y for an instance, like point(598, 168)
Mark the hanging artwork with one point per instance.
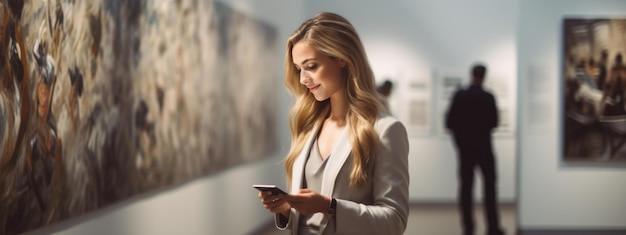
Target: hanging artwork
point(594, 81)
point(101, 100)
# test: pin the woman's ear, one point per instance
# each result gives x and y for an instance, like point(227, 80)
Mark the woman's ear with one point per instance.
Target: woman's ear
point(342, 63)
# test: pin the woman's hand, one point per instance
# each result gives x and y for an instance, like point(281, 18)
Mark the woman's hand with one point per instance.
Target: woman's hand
point(308, 202)
point(275, 203)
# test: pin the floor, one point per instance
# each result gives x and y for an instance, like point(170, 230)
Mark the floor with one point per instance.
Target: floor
point(441, 219)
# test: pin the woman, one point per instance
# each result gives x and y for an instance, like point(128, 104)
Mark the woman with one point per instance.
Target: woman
point(348, 164)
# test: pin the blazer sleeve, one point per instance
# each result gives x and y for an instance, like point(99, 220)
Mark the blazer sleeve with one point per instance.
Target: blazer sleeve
point(390, 208)
point(283, 223)
point(493, 112)
point(452, 113)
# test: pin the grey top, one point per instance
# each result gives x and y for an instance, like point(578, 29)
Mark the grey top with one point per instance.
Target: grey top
point(313, 177)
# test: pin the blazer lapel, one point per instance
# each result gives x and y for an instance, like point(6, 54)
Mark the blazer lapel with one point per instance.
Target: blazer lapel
point(340, 153)
point(298, 165)
point(337, 158)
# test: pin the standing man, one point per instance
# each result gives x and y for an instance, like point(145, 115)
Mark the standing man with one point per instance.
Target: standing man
point(602, 69)
point(471, 119)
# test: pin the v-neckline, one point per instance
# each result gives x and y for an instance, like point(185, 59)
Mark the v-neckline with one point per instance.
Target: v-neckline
point(317, 145)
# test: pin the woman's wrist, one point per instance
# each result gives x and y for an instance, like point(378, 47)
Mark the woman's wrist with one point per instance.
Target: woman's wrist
point(332, 207)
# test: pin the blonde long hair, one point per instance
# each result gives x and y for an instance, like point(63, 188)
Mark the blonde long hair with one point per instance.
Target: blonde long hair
point(334, 36)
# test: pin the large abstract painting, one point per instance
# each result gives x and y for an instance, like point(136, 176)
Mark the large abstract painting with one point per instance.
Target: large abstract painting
point(594, 81)
point(101, 100)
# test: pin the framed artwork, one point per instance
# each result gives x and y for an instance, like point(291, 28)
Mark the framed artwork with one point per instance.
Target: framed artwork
point(104, 100)
point(447, 81)
point(417, 107)
point(593, 81)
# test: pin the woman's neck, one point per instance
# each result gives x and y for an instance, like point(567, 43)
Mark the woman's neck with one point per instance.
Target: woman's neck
point(338, 112)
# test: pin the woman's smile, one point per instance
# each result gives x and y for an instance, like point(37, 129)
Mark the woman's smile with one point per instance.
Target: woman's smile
point(314, 88)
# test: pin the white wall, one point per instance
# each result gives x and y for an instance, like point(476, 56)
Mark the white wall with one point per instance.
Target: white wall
point(223, 203)
point(553, 195)
point(407, 40)
point(412, 40)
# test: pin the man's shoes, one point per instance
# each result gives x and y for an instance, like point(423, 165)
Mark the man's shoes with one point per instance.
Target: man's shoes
point(495, 232)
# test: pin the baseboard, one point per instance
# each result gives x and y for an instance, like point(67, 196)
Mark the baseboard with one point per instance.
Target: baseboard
point(453, 203)
point(571, 232)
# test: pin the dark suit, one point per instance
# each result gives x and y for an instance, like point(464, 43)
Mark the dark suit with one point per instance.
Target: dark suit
point(471, 118)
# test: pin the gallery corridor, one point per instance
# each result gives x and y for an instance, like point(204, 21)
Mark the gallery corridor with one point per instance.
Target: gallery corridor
point(439, 219)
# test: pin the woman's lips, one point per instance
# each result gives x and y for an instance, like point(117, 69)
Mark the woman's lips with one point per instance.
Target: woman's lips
point(313, 88)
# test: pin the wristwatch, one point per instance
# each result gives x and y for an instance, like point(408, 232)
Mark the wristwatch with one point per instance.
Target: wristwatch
point(332, 209)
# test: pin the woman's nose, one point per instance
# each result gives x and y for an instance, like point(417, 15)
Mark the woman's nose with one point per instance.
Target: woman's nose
point(304, 78)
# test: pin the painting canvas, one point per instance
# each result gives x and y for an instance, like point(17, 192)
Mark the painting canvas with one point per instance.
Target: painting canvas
point(101, 100)
point(594, 85)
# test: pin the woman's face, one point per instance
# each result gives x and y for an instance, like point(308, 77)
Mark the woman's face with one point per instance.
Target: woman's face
point(320, 73)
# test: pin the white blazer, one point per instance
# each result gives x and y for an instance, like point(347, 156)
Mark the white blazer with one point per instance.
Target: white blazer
point(381, 204)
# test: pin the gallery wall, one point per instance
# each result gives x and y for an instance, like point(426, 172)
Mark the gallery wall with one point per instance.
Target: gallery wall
point(419, 45)
point(220, 203)
point(413, 43)
point(556, 195)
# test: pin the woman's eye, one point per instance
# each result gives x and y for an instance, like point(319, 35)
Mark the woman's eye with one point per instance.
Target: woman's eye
point(311, 67)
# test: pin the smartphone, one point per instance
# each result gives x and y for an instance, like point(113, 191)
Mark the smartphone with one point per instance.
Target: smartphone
point(269, 187)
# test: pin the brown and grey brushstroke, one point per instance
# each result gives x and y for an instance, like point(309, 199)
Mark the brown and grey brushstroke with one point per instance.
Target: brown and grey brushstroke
point(103, 100)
